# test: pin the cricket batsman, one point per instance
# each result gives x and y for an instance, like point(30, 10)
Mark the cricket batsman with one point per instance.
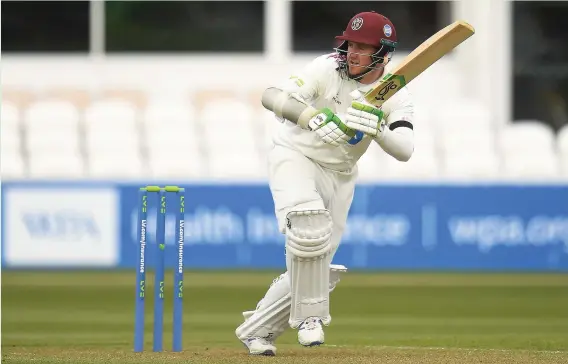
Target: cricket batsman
point(312, 174)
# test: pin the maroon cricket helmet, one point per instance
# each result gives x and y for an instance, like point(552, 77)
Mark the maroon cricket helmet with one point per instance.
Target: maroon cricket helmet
point(370, 28)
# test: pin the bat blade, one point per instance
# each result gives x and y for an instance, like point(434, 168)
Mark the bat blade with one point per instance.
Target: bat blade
point(425, 55)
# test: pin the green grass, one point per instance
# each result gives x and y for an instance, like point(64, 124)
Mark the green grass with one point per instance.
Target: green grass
point(88, 317)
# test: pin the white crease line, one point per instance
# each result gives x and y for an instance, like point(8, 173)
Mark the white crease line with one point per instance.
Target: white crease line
point(384, 347)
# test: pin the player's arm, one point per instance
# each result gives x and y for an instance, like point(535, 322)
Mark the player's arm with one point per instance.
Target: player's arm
point(328, 126)
point(289, 106)
point(392, 128)
point(293, 96)
point(291, 101)
point(398, 137)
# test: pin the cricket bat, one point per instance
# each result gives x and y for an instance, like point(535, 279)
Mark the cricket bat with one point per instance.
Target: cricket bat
point(427, 53)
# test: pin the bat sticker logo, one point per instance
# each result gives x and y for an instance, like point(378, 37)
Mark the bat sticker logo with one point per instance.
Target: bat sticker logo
point(357, 23)
point(385, 90)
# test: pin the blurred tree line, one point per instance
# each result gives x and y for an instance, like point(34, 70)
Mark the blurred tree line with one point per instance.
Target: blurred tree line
point(540, 61)
point(174, 26)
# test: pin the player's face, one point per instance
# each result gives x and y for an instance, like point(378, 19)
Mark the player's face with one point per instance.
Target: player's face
point(359, 57)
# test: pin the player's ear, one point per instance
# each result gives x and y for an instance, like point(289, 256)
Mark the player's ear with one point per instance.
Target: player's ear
point(387, 57)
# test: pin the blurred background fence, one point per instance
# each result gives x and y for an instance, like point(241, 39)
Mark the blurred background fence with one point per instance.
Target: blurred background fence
point(101, 97)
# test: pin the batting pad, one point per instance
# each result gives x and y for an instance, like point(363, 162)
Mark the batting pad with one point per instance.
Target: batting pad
point(308, 257)
point(266, 320)
point(270, 318)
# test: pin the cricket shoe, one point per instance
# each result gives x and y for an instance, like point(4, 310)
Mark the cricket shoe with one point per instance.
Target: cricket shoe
point(259, 346)
point(310, 332)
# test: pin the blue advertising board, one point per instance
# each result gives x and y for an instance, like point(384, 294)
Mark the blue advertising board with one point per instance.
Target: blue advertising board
point(232, 226)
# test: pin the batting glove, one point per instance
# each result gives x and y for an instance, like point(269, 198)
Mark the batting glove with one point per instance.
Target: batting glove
point(330, 128)
point(366, 118)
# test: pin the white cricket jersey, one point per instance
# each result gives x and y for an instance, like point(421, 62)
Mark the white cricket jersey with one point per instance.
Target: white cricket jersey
point(322, 86)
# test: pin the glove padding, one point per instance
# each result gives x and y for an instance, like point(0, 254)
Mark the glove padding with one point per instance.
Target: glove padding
point(366, 118)
point(330, 128)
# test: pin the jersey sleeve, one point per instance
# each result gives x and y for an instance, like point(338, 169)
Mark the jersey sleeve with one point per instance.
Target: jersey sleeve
point(400, 109)
point(308, 82)
point(398, 137)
